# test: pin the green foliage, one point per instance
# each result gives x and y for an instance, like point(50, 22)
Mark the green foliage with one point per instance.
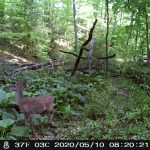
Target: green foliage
point(115, 111)
point(5, 98)
point(68, 94)
point(112, 109)
point(105, 107)
point(65, 111)
point(98, 105)
point(2, 94)
point(89, 131)
point(19, 131)
point(44, 27)
point(5, 125)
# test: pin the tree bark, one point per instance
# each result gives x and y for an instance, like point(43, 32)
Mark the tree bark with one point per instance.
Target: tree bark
point(106, 38)
point(147, 36)
point(75, 25)
point(2, 11)
point(130, 30)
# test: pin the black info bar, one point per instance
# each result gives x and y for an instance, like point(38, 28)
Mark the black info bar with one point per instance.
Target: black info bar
point(74, 144)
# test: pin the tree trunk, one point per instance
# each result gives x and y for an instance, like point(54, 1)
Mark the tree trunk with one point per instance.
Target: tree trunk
point(130, 30)
point(136, 41)
point(147, 36)
point(2, 10)
point(75, 25)
point(106, 38)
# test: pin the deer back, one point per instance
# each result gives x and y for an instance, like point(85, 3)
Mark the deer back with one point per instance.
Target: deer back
point(37, 105)
point(46, 101)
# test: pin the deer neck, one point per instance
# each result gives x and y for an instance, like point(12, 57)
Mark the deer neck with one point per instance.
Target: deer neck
point(19, 96)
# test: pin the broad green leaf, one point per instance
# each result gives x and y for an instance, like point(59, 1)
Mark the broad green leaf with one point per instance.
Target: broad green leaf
point(2, 94)
point(19, 131)
point(6, 115)
point(4, 124)
point(9, 137)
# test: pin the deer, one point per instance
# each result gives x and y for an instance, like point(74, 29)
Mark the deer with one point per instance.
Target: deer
point(35, 105)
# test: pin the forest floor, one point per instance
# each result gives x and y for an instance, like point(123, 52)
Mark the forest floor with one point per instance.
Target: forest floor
point(71, 129)
point(125, 115)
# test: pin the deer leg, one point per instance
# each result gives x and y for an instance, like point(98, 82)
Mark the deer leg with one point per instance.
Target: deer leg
point(31, 124)
point(90, 65)
point(50, 117)
point(26, 120)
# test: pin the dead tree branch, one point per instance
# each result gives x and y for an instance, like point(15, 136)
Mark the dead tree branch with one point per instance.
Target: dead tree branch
point(72, 54)
point(111, 56)
point(81, 49)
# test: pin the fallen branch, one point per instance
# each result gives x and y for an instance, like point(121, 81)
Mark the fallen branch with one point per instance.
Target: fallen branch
point(37, 66)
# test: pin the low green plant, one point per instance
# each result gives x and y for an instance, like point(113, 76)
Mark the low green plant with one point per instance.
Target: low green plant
point(5, 126)
point(99, 104)
point(89, 129)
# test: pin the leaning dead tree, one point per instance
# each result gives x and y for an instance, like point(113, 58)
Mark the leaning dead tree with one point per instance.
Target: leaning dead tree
point(107, 34)
point(82, 48)
point(89, 50)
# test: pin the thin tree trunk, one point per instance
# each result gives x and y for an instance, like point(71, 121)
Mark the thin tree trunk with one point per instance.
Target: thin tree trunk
point(90, 54)
point(2, 20)
point(136, 40)
point(147, 36)
point(130, 30)
point(121, 18)
point(107, 33)
point(2, 11)
point(102, 10)
point(75, 25)
point(141, 48)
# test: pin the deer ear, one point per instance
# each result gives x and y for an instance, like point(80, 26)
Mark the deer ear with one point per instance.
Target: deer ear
point(20, 82)
point(12, 87)
point(23, 82)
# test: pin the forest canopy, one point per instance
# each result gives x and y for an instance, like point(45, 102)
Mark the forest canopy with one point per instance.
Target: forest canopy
point(40, 27)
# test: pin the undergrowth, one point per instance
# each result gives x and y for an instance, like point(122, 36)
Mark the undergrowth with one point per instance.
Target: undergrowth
point(99, 108)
